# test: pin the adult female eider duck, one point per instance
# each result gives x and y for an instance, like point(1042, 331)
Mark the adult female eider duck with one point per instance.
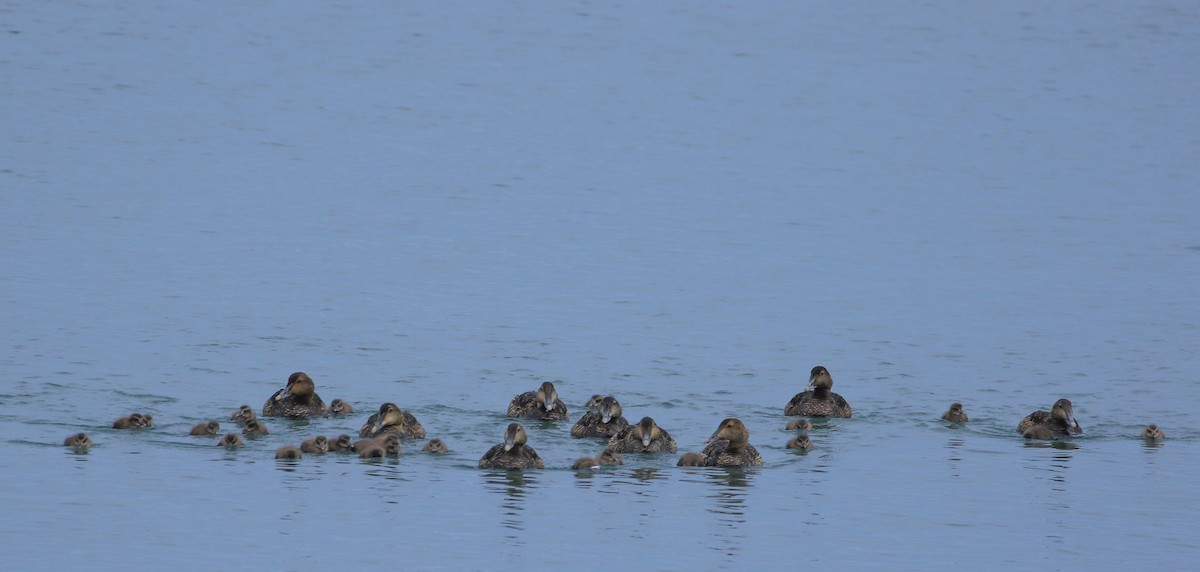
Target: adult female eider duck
point(392, 419)
point(645, 437)
point(1152, 432)
point(513, 453)
point(78, 440)
point(1054, 424)
point(730, 446)
point(605, 422)
point(955, 414)
point(210, 428)
point(296, 399)
point(818, 399)
point(542, 404)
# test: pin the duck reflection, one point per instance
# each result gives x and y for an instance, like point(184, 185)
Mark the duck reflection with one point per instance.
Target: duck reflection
point(730, 486)
point(514, 487)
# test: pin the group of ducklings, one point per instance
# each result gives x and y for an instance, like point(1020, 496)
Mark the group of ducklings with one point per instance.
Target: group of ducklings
point(729, 446)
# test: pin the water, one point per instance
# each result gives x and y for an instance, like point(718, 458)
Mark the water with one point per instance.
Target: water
point(684, 205)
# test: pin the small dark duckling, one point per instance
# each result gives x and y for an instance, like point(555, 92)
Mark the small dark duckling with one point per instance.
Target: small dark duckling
point(1054, 424)
point(341, 443)
point(231, 440)
point(513, 453)
point(318, 444)
point(645, 437)
point(390, 442)
point(955, 414)
point(392, 419)
point(800, 441)
point(375, 451)
point(254, 428)
point(134, 421)
point(605, 422)
point(436, 446)
point(691, 459)
point(78, 440)
point(340, 407)
point(801, 424)
point(288, 452)
point(210, 428)
point(607, 457)
point(542, 404)
point(594, 402)
point(296, 399)
point(818, 399)
point(730, 446)
point(243, 414)
point(1152, 432)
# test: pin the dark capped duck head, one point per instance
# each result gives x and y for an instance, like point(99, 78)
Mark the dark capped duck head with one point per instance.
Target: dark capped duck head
point(254, 427)
point(1063, 411)
point(819, 379)
point(389, 414)
point(1152, 432)
point(300, 386)
point(231, 440)
point(732, 430)
point(646, 430)
point(243, 414)
point(514, 436)
point(609, 409)
point(547, 396)
point(609, 457)
point(801, 424)
point(79, 440)
point(340, 407)
point(691, 459)
point(341, 443)
point(436, 446)
point(210, 428)
point(594, 402)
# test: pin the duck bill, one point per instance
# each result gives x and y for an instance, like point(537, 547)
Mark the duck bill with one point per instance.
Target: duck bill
point(282, 393)
point(605, 418)
point(645, 440)
point(1073, 425)
point(378, 424)
point(812, 383)
point(510, 441)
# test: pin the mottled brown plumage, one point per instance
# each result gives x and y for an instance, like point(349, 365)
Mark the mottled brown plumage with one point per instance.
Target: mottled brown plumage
point(818, 400)
point(1057, 423)
point(644, 437)
point(392, 419)
point(955, 414)
point(542, 404)
point(605, 422)
point(730, 446)
point(296, 399)
point(513, 453)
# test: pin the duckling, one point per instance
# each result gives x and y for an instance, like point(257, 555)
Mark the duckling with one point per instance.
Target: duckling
point(392, 419)
point(78, 440)
point(690, 459)
point(340, 407)
point(288, 452)
point(610, 457)
point(296, 399)
point(594, 402)
point(134, 421)
point(542, 404)
point(955, 414)
point(607, 457)
point(231, 440)
point(605, 422)
point(645, 437)
point(254, 428)
point(730, 446)
point(243, 414)
point(818, 399)
point(318, 444)
point(436, 446)
point(1057, 423)
point(513, 453)
point(1152, 432)
point(801, 424)
point(147, 421)
point(800, 441)
point(341, 443)
point(390, 442)
point(210, 428)
point(374, 451)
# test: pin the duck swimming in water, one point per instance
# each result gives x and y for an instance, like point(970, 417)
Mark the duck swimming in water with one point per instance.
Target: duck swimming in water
point(605, 422)
point(542, 404)
point(436, 446)
point(134, 421)
point(800, 441)
point(210, 428)
point(318, 444)
point(1152, 432)
point(690, 459)
point(254, 428)
point(801, 424)
point(78, 440)
point(955, 414)
point(340, 407)
point(645, 437)
point(513, 453)
point(818, 399)
point(1057, 423)
point(288, 452)
point(607, 457)
point(341, 443)
point(231, 440)
point(730, 446)
point(296, 399)
point(243, 414)
point(392, 419)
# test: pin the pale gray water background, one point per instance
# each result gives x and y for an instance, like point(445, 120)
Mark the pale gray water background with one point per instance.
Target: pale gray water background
point(686, 205)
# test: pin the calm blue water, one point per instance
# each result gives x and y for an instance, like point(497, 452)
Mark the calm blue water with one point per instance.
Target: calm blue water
point(686, 205)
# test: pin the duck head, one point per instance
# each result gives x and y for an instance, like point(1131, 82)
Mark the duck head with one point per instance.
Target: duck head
point(299, 386)
point(732, 430)
point(546, 396)
point(646, 430)
point(609, 409)
point(819, 380)
point(389, 414)
point(514, 436)
point(1063, 412)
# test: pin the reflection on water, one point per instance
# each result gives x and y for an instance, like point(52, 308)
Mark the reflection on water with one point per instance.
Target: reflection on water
point(514, 486)
point(730, 488)
point(955, 445)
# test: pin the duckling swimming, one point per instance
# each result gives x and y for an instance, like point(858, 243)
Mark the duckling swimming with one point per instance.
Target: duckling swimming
point(818, 399)
point(1054, 424)
point(340, 407)
point(78, 440)
point(134, 421)
point(318, 444)
point(210, 428)
point(801, 424)
point(341, 443)
point(374, 451)
point(955, 414)
point(645, 437)
point(288, 452)
point(254, 428)
point(800, 441)
point(436, 446)
point(542, 404)
point(390, 442)
point(243, 414)
point(730, 446)
point(691, 459)
point(392, 419)
point(605, 422)
point(297, 399)
point(513, 453)
point(1152, 432)
point(231, 440)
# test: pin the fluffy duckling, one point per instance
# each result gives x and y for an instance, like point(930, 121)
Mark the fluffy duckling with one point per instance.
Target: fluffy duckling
point(594, 402)
point(288, 452)
point(231, 440)
point(645, 437)
point(243, 414)
point(390, 442)
point(606, 457)
point(392, 419)
point(690, 459)
point(134, 421)
point(341, 443)
point(254, 428)
point(730, 446)
point(296, 399)
point(513, 453)
point(1054, 424)
point(374, 451)
point(318, 444)
point(955, 414)
point(800, 441)
point(542, 404)
point(1152, 432)
point(818, 399)
point(605, 422)
point(340, 407)
point(78, 440)
point(436, 446)
point(802, 424)
point(210, 428)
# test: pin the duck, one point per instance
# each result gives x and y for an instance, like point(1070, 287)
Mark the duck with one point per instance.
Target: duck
point(209, 428)
point(436, 446)
point(605, 422)
point(1152, 432)
point(296, 399)
point(231, 440)
point(955, 414)
point(818, 399)
point(78, 440)
point(593, 402)
point(645, 437)
point(1054, 424)
point(134, 421)
point(606, 457)
point(288, 452)
point(374, 451)
point(390, 442)
point(513, 453)
point(341, 443)
point(690, 459)
point(254, 428)
point(392, 419)
point(800, 441)
point(318, 444)
point(340, 407)
point(243, 414)
point(542, 404)
point(378, 448)
point(730, 446)
point(801, 424)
